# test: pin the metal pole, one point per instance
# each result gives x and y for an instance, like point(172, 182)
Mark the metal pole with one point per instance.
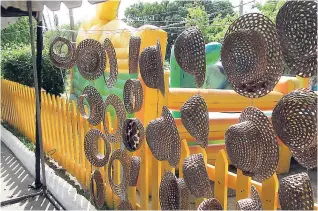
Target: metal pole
point(72, 25)
point(241, 8)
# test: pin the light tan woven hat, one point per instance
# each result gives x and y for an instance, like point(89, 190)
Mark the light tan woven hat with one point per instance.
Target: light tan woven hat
point(253, 203)
point(133, 134)
point(62, 61)
point(133, 95)
point(210, 204)
point(134, 49)
point(124, 205)
point(112, 59)
point(98, 200)
point(169, 192)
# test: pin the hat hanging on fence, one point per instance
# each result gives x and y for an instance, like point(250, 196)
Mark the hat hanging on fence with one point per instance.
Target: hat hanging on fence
point(90, 59)
point(112, 59)
point(253, 203)
point(295, 192)
point(189, 50)
point(125, 161)
point(98, 200)
point(195, 118)
point(134, 49)
point(151, 67)
point(184, 195)
point(96, 105)
point(119, 107)
point(163, 138)
point(133, 134)
point(134, 170)
point(133, 95)
point(169, 192)
point(196, 176)
point(124, 205)
point(210, 204)
point(62, 61)
point(262, 71)
point(91, 148)
point(252, 146)
point(296, 24)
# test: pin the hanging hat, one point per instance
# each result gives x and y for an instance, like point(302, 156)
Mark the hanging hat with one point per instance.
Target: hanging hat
point(196, 176)
point(133, 134)
point(124, 205)
point(133, 95)
point(163, 138)
point(151, 67)
point(169, 192)
point(253, 203)
point(98, 200)
point(63, 61)
point(306, 157)
point(134, 170)
point(90, 59)
point(296, 24)
point(189, 50)
point(96, 105)
point(295, 192)
point(113, 70)
point(91, 148)
point(256, 70)
point(210, 204)
point(252, 146)
point(134, 49)
point(184, 195)
point(195, 118)
point(116, 102)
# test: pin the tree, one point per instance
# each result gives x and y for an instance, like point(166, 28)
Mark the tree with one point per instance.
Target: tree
point(198, 17)
point(219, 26)
point(270, 8)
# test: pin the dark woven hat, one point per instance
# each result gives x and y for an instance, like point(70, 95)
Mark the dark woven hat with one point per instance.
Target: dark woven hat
point(252, 146)
point(98, 200)
point(195, 118)
point(134, 49)
point(169, 192)
point(253, 203)
point(90, 59)
point(295, 192)
point(134, 170)
point(184, 195)
point(306, 157)
point(63, 61)
point(133, 95)
point(151, 67)
point(133, 134)
point(96, 105)
point(163, 138)
point(251, 79)
point(124, 205)
point(91, 148)
point(112, 59)
point(210, 204)
point(189, 50)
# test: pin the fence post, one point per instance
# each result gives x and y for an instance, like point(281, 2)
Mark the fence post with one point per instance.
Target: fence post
point(243, 185)
point(221, 176)
point(269, 194)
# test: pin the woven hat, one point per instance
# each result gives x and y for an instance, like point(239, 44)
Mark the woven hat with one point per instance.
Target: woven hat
point(306, 157)
point(124, 205)
point(184, 195)
point(116, 102)
point(195, 118)
point(133, 95)
point(196, 176)
point(163, 138)
point(90, 59)
point(253, 203)
point(125, 161)
point(91, 148)
point(151, 67)
point(63, 61)
point(210, 204)
point(295, 192)
point(134, 170)
point(98, 200)
point(252, 146)
point(134, 49)
point(189, 50)
point(113, 70)
point(296, 24)
point(133, 134)
point(96, 105)
point(254, 80)
point(169, 192)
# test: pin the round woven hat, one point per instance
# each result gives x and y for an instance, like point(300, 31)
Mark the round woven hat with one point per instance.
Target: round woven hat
point(90, 59)
point(169, 192)
point(306, 157)
point(252, 146)
point(253, 203)
point(163, 138)
point(210, 204)
point(116, 102)
point(264, 79)
point(62, 61)
point(124, 205)
point(96, 105)
point(134, 49)
point(196, 176)
point(133, 134)
point(184, 195)
point(133, 95)
point(113, 70)
point(99, 199)
point(91, 148)
point(134, 170)
point(151, 67)
point(195, 118)
point(295, 192)
point(189, 50)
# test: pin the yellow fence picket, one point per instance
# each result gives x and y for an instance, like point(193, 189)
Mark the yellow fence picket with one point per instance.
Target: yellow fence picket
point(221, 178)
point(269, 195)
point(243, 185)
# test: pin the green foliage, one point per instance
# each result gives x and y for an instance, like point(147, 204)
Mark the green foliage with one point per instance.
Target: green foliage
point(198, 17)
point(270, 8)
point(219, 27)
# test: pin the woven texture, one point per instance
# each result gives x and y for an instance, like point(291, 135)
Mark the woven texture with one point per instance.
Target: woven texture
point(210, 204)
point(189, 50)
point(195, 118)
point(134, 170)
point(252, 146)
point(124, 205)
point(134, 49)
point(133, 95)
point(98, 200)
point(295, 192)
point(169, 192)
point(62, 61)
point(133, 134)
point(306, 157)
point(184, 195)
point(253, 203)
point(112, 59)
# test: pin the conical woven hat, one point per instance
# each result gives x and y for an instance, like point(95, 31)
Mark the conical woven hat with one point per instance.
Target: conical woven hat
point(253, 203)
point(99, 199)
point(133, 134)
point(169, 192)
point(210, 204)
point(133, 95)
point(112, 59)
point(63, 61)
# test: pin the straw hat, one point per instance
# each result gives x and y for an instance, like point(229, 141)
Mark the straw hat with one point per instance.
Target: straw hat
point(91, 148)
point(124, 205)
point(134, 170)
point(189, 50)
point(169, 192)
point(163, 138)
point(210, 204)
point(195, 118)
point(133, 95)
point(96, 105)
point(133, 134)
point(151, 67)
point(184, 195)
point(113, 70)
point(134, 49)
point(252, 145)
point(306, 157)
point(295, 192)
point(98, 200)
point(63, 61)
point(90, 59)
point(116, 102)
point(251, 55)
point(253, 203)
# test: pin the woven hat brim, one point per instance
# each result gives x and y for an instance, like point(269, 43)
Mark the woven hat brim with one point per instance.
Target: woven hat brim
point(65, 62)
point(306, 157)
point(252, 203)
point(112, 59)
point(99, 199)
point(169, 192)
point(210, 204)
